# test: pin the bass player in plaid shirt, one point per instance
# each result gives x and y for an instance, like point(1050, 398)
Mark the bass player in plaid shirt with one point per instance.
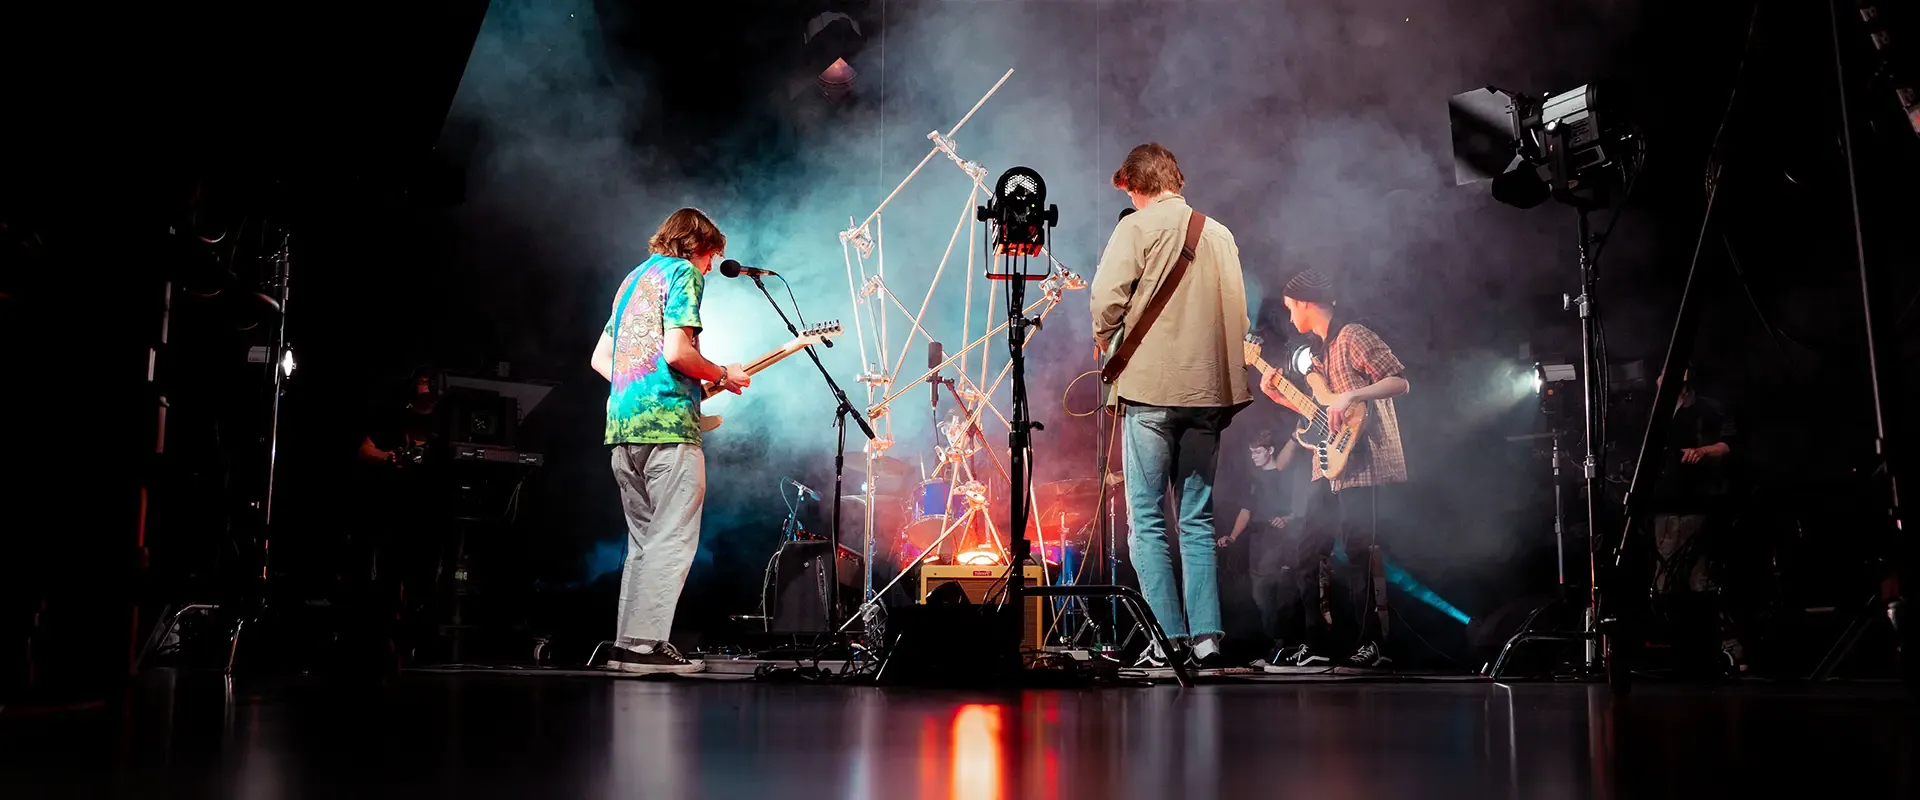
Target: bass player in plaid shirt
point(1360, 368)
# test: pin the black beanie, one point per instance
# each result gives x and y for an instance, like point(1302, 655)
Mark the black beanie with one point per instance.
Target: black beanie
point(1311, 286)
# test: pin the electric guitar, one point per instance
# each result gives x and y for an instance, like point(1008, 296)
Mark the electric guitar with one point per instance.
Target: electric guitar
point(1331, 447)
point(809, 336)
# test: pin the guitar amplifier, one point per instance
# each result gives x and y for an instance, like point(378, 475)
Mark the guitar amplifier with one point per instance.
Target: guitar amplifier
point(795, 594)
point(976, 581)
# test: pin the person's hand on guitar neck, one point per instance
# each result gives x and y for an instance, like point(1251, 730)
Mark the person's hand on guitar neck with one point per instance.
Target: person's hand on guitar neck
point(733, 378)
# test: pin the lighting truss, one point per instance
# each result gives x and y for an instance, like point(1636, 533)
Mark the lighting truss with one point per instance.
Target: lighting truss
point(863, 249)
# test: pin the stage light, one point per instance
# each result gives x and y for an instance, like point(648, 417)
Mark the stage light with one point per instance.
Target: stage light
point(831, 39)
point(979, 558)
point(1019, 212)
point(1546, 383)
point(1302, 360)
point(286, 363)
point(1533, 148)
point(837, 79)
point(1544, 374)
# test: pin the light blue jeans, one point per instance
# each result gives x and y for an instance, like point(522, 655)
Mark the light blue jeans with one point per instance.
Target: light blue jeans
point(1174, 447)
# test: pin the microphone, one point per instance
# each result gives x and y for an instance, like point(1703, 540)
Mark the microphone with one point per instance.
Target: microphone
point(735, 269)
point(935, 355)
point(809, 492)
point(1123, 215)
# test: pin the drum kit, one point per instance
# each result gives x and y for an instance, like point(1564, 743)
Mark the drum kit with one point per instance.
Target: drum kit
point(950, 516)
point(947, 515)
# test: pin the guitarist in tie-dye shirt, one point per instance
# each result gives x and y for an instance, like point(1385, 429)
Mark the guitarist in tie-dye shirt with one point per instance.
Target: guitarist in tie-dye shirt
point(650, 352)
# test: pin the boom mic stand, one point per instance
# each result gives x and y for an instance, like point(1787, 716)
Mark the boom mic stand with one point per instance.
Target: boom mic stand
point(840, 413)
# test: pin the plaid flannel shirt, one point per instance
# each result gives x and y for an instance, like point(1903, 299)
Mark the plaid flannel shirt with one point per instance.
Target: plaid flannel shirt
point(1358, 358)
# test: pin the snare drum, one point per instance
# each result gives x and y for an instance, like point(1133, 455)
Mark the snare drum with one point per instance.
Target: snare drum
point(930, 499)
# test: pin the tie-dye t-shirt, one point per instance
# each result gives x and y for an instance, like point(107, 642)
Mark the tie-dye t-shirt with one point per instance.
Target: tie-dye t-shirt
point(649, 403)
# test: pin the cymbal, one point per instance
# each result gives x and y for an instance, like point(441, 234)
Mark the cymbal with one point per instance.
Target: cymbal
point(1069, 503)
point(879, 500)
point(886, 466)
point(1074, 491)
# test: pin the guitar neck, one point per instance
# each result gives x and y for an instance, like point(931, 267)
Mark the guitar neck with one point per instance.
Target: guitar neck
point(1292, 392)
point(763, 362)
point(771, 359)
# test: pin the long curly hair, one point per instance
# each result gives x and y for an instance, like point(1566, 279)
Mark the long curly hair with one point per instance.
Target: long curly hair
point(687, 233)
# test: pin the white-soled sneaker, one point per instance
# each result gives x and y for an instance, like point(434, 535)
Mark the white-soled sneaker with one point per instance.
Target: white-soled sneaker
point(1369, 656)
point(664, 660)
point(1296, 660)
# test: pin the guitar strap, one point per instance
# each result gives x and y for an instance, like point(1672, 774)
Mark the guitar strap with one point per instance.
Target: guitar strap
point(1114, 366)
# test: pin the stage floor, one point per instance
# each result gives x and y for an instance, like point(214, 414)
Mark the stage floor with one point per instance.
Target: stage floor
point(576, 734)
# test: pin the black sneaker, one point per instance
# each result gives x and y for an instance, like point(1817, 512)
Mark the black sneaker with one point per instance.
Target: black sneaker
point(1213, 664)
point(1295, 660)
point(1151, 664)
point(664, 660)
point(1733, 660)
point(1369, 656)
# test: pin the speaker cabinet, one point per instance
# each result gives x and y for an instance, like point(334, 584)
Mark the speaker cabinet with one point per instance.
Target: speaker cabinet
point(796, 588)
point(975, 581)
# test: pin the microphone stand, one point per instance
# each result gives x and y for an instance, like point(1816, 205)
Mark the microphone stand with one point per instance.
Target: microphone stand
point(840, 414)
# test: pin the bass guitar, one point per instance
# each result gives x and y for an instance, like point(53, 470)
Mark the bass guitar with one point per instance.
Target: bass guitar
point(1331, 447)
point(809, 336)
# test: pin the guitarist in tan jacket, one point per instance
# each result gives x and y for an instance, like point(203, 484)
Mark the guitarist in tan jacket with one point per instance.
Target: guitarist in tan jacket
point(1361, 371)
point(1181, 386)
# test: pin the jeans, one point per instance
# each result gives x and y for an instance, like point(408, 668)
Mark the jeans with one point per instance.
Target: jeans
point(662, 487)
point(1161, 448)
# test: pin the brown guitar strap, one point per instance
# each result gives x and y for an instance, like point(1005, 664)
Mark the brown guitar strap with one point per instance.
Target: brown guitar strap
point(1118, 363)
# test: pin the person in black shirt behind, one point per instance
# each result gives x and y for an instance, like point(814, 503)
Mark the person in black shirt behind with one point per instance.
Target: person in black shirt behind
point(1694, 492)
point(401, 437)
point(404, 512)
point(1287, 561)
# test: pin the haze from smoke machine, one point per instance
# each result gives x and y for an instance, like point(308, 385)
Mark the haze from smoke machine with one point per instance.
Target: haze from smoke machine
point(1316, 131)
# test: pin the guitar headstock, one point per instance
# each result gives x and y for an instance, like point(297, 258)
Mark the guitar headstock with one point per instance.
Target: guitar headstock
point(1251, 348)
point(819, 332)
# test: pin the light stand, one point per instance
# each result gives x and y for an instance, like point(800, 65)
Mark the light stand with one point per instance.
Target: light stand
point(1566, 154)
point(1563, 594)
point(840, 414)
point(1022, 231)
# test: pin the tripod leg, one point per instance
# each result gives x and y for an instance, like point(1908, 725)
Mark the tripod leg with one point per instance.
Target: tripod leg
point(1143, 618)
point(875, 601)
point(1843, 646)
